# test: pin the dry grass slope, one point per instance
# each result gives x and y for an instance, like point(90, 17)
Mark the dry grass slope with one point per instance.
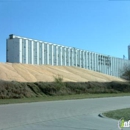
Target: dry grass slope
point(34, 73)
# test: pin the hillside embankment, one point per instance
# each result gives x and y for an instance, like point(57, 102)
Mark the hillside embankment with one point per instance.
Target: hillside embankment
point(24, 81)
point(46, 73)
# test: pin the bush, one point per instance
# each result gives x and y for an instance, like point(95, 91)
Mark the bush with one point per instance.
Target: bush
point(47, 88)
point(119, 86)
point(58, 79)
point(15, 89)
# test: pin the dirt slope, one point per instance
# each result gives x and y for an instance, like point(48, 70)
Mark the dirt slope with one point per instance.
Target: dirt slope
point(32, 73)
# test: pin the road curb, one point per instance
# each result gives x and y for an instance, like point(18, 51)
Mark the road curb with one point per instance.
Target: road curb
point(101, 115)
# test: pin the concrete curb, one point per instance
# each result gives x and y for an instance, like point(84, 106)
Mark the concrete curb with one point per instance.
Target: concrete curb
point(101, 115)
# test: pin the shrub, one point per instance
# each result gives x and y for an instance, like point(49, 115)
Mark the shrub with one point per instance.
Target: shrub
point(58, 79)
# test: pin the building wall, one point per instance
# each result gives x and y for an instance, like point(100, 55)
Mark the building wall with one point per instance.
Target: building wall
point(29, 51)
point(129, 52)
point(12, 50)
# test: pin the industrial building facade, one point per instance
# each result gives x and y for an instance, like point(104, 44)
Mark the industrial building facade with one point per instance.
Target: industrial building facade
point(29, 51)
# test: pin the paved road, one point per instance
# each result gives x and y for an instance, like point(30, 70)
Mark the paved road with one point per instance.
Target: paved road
point(61, 115)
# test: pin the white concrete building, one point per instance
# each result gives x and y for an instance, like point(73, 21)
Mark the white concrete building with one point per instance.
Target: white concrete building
point(30, 51)
point(129, 52)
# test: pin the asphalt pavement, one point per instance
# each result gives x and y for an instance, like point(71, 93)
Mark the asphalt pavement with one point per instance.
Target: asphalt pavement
point(79, 114)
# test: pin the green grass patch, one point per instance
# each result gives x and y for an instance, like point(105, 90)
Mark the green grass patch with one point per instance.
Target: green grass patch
point(118, 114)
point(63, 97)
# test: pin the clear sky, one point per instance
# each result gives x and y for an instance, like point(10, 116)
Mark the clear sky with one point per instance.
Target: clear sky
point(101, 26)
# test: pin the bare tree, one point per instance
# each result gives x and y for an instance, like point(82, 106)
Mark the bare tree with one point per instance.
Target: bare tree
point(126, 72)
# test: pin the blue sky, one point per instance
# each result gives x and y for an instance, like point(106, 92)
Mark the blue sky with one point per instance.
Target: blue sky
point(101, 26)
